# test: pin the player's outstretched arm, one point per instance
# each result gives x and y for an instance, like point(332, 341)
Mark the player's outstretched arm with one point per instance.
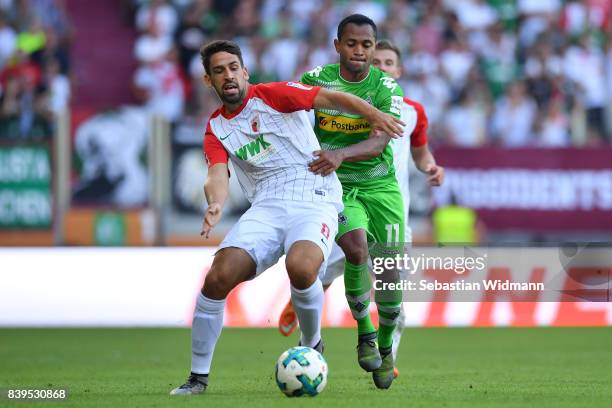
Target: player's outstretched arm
point(425, 162)
point(216, 189)
point(383, 122)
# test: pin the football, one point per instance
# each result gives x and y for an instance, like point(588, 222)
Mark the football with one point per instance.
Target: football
point(301, 371)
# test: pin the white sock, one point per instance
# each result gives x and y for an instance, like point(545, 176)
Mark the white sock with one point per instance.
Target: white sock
point(308, 305)
point(205, 330)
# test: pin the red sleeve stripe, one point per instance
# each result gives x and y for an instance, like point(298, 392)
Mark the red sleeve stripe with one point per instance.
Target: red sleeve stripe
point(419, 134)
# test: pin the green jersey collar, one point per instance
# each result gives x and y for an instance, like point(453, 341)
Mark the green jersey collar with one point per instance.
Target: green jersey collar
point(358, 82)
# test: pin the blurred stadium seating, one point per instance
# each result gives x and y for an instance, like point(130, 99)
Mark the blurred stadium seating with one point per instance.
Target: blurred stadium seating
point(34, 68)
point(507, 73)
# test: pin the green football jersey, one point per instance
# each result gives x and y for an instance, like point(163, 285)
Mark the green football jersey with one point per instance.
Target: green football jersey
point(336, 129)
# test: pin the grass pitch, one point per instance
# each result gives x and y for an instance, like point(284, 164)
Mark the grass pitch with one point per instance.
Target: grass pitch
point(496, 367)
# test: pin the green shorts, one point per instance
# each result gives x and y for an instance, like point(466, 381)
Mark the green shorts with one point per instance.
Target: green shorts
point(377, 209)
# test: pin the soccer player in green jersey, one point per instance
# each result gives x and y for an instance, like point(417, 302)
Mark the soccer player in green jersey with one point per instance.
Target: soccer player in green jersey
point(373, 206)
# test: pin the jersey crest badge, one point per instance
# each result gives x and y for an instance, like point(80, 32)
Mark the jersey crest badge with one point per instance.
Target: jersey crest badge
point(325, 230)
point(255, 124)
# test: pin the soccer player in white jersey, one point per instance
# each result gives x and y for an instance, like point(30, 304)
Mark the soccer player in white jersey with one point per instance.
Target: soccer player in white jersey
point(413, 146)
point(264, 130)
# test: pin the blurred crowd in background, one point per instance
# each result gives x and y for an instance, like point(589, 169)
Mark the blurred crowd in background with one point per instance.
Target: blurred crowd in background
point(34, 67)
point(489, 72)
point(507, 73)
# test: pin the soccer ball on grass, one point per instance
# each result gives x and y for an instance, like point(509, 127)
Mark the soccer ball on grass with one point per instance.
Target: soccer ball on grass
point(301, 371)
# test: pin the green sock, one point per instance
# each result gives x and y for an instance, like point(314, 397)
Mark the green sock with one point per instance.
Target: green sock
point(388, 303)
point(357, 286)
point(388, 313)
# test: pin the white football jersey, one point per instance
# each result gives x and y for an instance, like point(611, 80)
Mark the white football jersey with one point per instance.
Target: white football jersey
point(415, 134)
point(270, 142)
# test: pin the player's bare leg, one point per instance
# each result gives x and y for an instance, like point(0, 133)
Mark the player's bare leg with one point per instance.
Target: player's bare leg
point(358, 285)
point(230, 267)
point(303, 262)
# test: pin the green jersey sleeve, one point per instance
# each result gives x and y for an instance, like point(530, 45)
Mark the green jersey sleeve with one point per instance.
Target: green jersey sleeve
point(308, 77)
point(390, 97)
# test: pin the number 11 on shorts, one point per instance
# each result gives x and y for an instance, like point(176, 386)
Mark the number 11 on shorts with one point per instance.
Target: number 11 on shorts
point(393, 232)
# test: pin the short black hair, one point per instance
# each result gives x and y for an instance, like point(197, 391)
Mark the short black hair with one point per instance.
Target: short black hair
point(388, 45)
point(208, 50)
point(357, 19)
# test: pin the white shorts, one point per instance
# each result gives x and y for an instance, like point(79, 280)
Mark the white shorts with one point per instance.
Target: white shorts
point(335, 265)
point(267, 230)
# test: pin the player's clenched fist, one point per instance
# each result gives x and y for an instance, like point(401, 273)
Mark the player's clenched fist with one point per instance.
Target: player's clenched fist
point(211, 218)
